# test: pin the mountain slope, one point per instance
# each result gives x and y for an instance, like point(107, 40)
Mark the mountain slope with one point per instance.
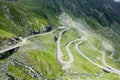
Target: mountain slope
point(17, 20)
point(93, 25)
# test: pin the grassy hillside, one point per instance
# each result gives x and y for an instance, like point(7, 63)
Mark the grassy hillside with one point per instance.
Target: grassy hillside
point(97, 20)
point(28, 15)
point(19, 21)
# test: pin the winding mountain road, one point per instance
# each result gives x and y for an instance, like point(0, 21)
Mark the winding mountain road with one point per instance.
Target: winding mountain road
point(65, 64)
point(108, 47)
point(107, 68)
point(69, 52)
point(20, 44)
point(111, 56)
point(104, 62)
point(23, 42)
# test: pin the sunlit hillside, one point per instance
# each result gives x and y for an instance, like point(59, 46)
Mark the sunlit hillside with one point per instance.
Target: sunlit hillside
point(59, 40)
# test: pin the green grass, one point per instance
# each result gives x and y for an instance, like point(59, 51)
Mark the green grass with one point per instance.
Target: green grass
point(80, 64)
point(68, 37)
point(40, 52)
point(83, 63)
point(19, 72)
point(4, 34)
point(112, 63)
point(20, 21)
point(92, 49)
point(48, 64)
point(47, 57)
point(43, 57)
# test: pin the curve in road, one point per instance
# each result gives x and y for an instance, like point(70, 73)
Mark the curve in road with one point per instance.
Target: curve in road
point(91, 61)
point(111, 56)
point(69, 52)
point(104, 62)
point(65, 65)
point(23, 42)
